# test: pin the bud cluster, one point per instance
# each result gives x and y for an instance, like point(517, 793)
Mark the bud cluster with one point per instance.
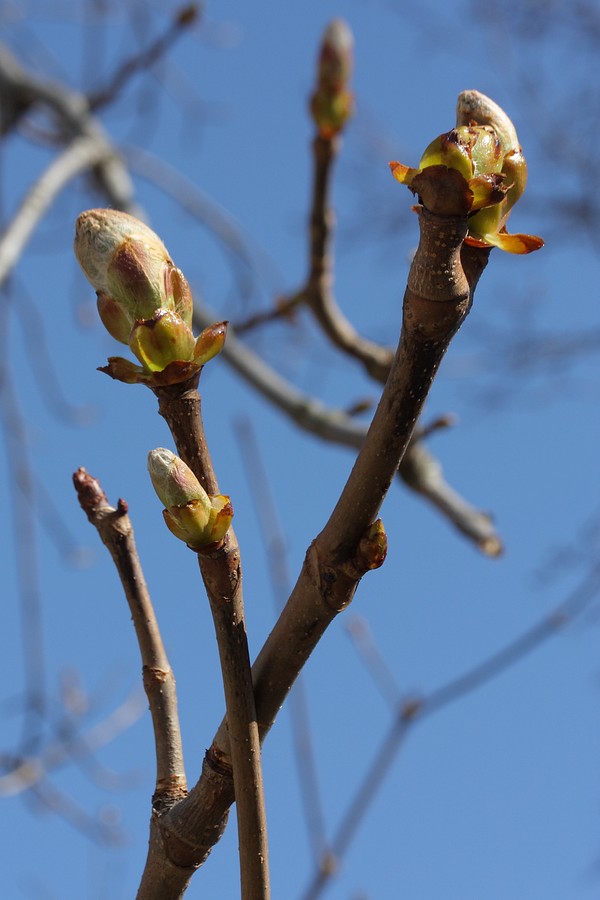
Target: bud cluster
point(484, 149)
point(144, 301)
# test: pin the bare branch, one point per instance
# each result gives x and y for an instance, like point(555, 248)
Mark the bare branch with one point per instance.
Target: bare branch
point(25, 772)
point(271, 531)
point(338, 426)
point(116, 532)
point(220, 565)
point(80, 155)
point(318, 292)
point(415, 709)
point(434, 308)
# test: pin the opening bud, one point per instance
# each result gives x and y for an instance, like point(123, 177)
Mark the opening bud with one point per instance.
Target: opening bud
point(484, 150)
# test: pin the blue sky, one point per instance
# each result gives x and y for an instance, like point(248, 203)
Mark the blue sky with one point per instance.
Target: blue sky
point(496, 796)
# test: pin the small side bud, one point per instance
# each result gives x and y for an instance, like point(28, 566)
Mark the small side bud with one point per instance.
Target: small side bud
point(372, 549)
point(210, 343)
point(332, 103)
point(190, 513)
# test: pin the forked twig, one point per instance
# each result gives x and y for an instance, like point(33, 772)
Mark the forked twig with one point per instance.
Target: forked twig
point(437, 299)
point(415, 709)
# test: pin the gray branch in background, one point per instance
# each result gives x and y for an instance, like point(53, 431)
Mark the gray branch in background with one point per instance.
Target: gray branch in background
point(419, 469)
point(82, 153)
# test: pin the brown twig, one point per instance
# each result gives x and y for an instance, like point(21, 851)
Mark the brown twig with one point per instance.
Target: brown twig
point(220, 566)
point(415, 709)
point(437, 299)
point(116, 532)
point(318, 292)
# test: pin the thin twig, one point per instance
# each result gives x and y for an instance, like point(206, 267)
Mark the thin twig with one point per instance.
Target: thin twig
point(437, 299)
point(146, 58)
point(78, 745)
point(116, 532)
point(80, 155)
point(221, 571)
point(423, 473)
point(21, 89)
point(22, 514)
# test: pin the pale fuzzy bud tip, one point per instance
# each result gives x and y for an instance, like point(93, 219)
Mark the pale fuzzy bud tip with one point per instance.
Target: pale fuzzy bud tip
point(100, 232)
point(336, 55)
point(473, 106)
point(174, 481)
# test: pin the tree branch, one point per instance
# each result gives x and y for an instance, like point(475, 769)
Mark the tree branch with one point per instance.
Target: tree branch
point(413, 710)
point(116, 532)
point(220, 565)
point(21, 91)
point(81, 154)
point(437, 299)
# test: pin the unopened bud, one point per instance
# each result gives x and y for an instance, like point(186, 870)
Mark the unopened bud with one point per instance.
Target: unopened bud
point(173, 480)
point(128, 265)
point(190, 513)
point(474, 108)
point(335, 57)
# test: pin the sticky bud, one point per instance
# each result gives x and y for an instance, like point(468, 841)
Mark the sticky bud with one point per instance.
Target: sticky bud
point(484, 150)
point(130, 269)
point(190, 513)
point(474, 108)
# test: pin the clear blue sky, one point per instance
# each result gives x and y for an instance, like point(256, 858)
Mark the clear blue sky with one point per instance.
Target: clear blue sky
point(495, 797)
